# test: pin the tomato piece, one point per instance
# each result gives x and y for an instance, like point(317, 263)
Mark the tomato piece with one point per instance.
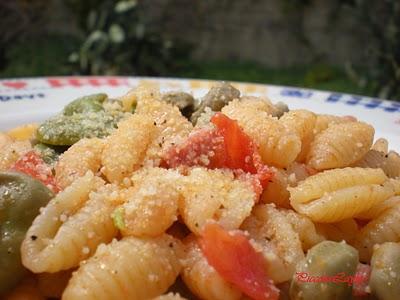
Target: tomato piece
point(226, 146)
point(32, 164)
point(204, 147)
point(361, 280)
point(235, 259)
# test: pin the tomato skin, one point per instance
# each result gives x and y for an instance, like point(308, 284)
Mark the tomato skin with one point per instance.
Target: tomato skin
point(234, 258)
point(32, 164)
point(226, 146)
point(361, 282)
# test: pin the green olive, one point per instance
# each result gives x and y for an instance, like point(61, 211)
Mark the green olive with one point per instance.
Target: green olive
point(216, 98)
point(21, 197)
point(64, 130)
point(385, 274)
point(184, 101)
point(90, 103)
point(325, 273)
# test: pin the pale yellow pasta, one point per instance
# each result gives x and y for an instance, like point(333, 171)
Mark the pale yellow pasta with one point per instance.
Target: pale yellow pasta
point(272, 137)
point(345, 203)
point(214, 195)
point(340, 145)
point(316, 186)
point(170, 126)
point(131, 268)
point(5, 139)
point(323, 121)
point(68, 229)
point(52, 285)
point(273, 235)
point(388, 162)
point(260, 104)
point(169, 296)
point(126, 147)
point(305, 229)
point(384, 228)
point(345, 230)
point(10, 153)
point(26, 290)
point(81, 157)
point(201, 278)
point(303, 122)
point(381, 145)
point(276, 190)
point(152, 207)
point(377, 210)
point(24, 132)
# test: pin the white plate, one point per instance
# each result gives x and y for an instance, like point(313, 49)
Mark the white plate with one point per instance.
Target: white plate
point(33, 100)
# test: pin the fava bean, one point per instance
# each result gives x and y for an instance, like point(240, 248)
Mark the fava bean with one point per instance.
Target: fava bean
point(325, 273)
point(216, 98)
point(64, 130)
point(385, 274)
point(184, 101)
point(90, 103)
point(21, 197)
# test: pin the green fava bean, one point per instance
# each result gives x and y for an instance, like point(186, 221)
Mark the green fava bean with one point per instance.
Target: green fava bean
point(21, 197)
point(326, 273)
point(90, 103)
point(64, 130)
point(49, 154)
point(385, 274)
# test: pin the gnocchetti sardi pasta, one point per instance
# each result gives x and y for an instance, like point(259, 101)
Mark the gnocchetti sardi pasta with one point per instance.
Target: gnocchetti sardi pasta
point(159, 196)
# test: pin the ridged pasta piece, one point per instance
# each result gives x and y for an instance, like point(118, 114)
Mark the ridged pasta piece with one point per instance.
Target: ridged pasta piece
point(345, 230)
point(316, 186)
point(305, 229)
point(201, 278)
point(389, 163)
point(278, 145)
point(340, 145)
point(26, 290)
point(83, 156)
point(381, 145)
point(345, 203)
point(10, 153)
point(214, 195)
point(171, 127)
point(303, 122)
point(261, 104)
point(153, 205)
point(277, 189)
point(323, 121)
point(131, 268)
point(126, 147)
point(169, 296)
point(52, 285)
point(273, 235)
point(377, 210)
point(69, 228)
point(384, 228)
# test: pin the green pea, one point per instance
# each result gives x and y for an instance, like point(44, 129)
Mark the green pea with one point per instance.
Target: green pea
point(90, 103)
point(326, 273)
point(216, 98)
point(64, 130)
point(184, 101)
point(385, 274)
point(21, 197)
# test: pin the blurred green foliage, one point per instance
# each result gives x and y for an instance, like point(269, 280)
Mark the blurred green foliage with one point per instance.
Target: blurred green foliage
point(381, 20)
point(118, 40)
